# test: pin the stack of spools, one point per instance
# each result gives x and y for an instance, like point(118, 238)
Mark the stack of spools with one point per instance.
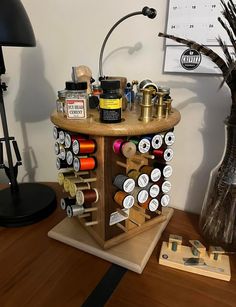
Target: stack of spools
point(74, 164)
point(146, 185)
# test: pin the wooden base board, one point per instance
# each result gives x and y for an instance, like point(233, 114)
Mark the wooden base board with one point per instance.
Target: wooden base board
point(216, 269)
point(132, 254)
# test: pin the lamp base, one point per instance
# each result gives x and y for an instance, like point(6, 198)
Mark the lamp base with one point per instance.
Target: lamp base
point(32, 203)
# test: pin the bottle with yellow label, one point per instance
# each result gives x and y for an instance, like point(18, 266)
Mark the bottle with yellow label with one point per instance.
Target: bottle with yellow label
point(110, 102)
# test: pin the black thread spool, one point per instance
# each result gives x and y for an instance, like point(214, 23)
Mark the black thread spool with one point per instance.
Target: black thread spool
point(166, 186)
point(166, 169)
point(61, 137)
point(153, 189)
point(153, 173)
point(64, 202)
point(169, 138)
point(61, 164)
point(164, 200)
point(56, 132)
point(69, 157)
point(124, 183)
point(157, 141)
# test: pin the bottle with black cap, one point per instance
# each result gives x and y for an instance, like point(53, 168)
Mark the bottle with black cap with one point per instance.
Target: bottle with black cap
point(110, 102)
point(76, 100)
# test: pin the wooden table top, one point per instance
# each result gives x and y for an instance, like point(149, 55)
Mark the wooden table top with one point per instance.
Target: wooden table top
point(38, 271)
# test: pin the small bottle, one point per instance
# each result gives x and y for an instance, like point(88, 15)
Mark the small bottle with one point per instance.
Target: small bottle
point(110, 102)
point(60, 103)
point(76, 100)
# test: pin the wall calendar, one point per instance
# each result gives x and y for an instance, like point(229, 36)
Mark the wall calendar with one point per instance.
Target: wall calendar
point(195, 20)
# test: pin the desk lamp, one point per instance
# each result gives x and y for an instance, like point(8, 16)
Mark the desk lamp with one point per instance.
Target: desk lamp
point(146, 11)
point(26, 203)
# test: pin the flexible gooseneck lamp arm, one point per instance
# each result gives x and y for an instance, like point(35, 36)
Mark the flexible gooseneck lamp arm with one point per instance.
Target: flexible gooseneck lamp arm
point(146, 11)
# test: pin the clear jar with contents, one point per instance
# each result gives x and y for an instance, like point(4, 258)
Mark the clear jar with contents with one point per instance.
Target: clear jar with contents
point(76, 100)
point(60, 103)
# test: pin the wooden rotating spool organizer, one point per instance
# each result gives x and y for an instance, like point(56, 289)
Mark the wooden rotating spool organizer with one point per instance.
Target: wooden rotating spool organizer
point(124, 162)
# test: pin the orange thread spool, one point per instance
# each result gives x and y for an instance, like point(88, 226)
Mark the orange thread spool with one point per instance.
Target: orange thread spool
point(124, 200)
point(87, 146)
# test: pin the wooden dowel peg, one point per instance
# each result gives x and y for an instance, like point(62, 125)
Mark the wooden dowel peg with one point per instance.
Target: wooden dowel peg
point(89, 179)
point(121, 227)
point(91, 223)
point(84, 215)
point(77, 174)
point(151, 157)
point(90, 209)
point(121, 164)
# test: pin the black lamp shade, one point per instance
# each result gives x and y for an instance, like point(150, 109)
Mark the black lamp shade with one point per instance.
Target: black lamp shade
point(15, 26)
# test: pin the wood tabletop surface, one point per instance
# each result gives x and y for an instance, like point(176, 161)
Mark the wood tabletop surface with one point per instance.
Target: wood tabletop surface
point(38, 271)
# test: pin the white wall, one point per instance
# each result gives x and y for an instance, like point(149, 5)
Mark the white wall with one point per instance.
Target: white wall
point(70, 33)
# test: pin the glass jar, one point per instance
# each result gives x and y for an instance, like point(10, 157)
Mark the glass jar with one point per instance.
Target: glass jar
point(60, 103)
point(218, 215)
point(76, 100)
point(110, 102)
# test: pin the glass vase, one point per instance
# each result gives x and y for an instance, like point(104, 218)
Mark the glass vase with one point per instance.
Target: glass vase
point(218, 215)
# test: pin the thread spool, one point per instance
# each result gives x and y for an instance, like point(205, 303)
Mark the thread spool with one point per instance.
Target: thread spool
point(153, 205)
point(144, 145)
point(74, 210)
point(124, 200)
point(69, 138)
point(57, 148)
point(140, 195)
point(141, 178)
point(153, 189)
point(84, 164)
point(164, 154)
point(87, 197)
point(74, 187)
point(69, 157)
point(61, 137)
point(83, 146)
point(63, 175)
point(66, 184)
point(157, 141)
point(62, 153)
point(169, 138)
point(124, 183)
point(153, 173)
point(165, 200)
point(166, 186)
point(126, 148)
point(60, 164)
point(64, 202)
point(56, 131)
point(166, 169)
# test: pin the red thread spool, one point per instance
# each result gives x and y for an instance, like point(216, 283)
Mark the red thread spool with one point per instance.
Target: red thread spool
point(69, 138)
point(164, 154)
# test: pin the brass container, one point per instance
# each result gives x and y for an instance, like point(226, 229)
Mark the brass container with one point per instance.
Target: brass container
point(146, 105)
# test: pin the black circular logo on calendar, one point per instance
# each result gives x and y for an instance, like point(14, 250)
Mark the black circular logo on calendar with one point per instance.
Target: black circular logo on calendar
point(190, 59)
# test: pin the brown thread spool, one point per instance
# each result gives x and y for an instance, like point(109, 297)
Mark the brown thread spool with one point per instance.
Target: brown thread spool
point(124, 183)
point(78, 186)
point(153, 173)
point(87, 197)
point(124, 200)
point(140, 195)
point(142, 179)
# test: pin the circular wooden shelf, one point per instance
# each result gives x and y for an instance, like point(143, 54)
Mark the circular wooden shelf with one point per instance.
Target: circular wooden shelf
point(130, 124)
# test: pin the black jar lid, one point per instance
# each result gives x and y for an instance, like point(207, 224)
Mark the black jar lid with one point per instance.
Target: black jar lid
point(76, 86)
point(110, 84)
